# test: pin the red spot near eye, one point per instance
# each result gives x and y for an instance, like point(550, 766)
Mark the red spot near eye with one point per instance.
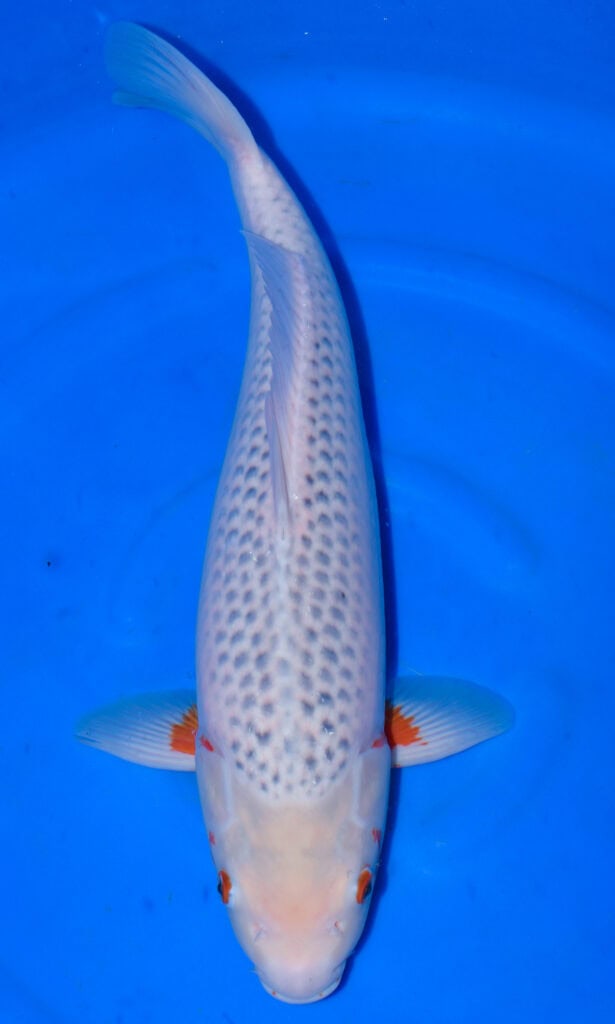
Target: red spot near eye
point(183, 733)
point(212, 838)
point(400, 730)
point(379, 741)
point(376, 835)
point(205, 743)
point(364, 885)
point(224, 886)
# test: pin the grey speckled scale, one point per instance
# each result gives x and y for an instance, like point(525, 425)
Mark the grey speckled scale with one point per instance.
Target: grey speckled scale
point(290, 625)
point(289, 638)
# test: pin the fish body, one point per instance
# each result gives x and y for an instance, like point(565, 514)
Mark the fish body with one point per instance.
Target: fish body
point(290, 677)
point(290, 657)
point(287, 734)
point(291, 762)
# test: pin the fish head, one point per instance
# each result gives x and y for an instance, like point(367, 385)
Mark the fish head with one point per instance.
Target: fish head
point(297, 874)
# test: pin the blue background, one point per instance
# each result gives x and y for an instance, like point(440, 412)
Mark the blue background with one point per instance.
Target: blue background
point(459, 160)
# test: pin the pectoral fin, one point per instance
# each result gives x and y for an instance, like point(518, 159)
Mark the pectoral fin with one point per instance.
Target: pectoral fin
point(431, 717)
point(154, 729)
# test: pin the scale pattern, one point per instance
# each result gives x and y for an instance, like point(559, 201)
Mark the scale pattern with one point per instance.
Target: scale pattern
point(290, 631)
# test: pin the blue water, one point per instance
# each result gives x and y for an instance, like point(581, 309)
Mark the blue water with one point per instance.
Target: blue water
point(459, 160)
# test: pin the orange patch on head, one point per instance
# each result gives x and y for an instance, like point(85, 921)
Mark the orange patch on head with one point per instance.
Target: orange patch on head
point(205, 743)
point(400, 730)
point(224, 886)
point(183, 733)
point(379, 741)
point(376, 835)
point(212, 838)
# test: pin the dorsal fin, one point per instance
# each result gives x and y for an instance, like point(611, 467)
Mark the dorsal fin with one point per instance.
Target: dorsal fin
point(283, 273)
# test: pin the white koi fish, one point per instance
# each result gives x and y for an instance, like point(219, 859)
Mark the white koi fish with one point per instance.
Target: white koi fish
point(287, 733)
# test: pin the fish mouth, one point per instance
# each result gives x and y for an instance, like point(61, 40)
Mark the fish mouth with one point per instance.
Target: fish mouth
point(296, 999)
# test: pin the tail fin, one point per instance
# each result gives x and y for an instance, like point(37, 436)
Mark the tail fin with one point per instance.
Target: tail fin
point(152, 73)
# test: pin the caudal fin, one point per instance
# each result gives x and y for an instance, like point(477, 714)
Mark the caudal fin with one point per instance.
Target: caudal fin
point(151, 73)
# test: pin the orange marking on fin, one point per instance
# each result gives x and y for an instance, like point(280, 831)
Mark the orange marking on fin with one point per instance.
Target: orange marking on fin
point(400, 729)
point(364, 885)
point(224, 886)
point(183, 733)
point(376, 835)
point(205, 743)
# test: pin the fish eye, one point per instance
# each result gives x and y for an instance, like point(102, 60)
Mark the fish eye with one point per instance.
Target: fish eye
point(224, 886)
point(364, 885)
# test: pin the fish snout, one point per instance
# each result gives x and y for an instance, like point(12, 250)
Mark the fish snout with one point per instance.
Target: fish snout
point(302, 986)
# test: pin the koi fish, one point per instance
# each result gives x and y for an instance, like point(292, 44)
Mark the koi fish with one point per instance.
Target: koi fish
point(287, 731)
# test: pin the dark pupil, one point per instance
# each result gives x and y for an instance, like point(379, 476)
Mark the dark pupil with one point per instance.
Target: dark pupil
point(366, 891)
point(219, 888)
